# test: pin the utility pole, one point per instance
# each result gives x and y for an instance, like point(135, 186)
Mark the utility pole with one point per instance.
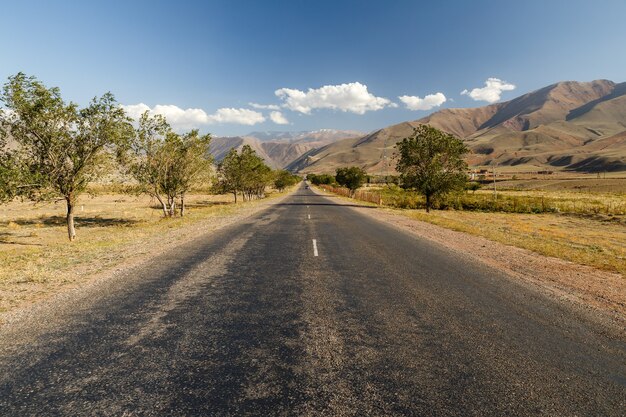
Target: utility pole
point(495, 192)
point(385, 164)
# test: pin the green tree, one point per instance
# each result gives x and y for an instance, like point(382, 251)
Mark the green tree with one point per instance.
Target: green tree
point(431, 162)
point(230, 174)
point(256, 175)
point(243, 172)
point(284, 179)
point(192, 163)
point(321, 179)
point(261, 178)
point(352, 178)
point(9, 171)
point(167, 165)
point(253, 171)
point(473, 186)
point(61, 146)
point(146, 156)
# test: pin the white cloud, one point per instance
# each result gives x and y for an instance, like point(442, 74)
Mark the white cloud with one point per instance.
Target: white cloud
point(278, 118)
point(351, 97)
point(181, 119)
point(490, 92)
point(426, 103)
point(135, 110)
point(264, 106)
point(236, 116)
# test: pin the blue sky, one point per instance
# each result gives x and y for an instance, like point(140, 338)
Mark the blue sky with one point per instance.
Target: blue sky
point(316, 64)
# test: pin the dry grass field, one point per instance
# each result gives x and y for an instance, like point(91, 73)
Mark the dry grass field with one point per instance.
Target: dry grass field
point(588, 227)
point(567, 201)
point(37, 260)
point(597, 242)
point(590, 184)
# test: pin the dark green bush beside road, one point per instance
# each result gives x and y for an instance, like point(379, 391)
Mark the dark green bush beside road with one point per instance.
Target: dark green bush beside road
point(285, 179)
point(319, 179)
point(352, 178)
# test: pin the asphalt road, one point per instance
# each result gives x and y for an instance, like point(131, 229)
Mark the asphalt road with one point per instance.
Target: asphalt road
point(248, 321)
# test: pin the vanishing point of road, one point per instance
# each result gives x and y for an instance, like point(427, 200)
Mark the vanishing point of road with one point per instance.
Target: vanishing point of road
point(312, 308)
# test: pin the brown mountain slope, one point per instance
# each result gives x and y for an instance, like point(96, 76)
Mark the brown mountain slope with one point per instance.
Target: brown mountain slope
point(282, 153)
point(607, 117)
point(279, 149)
point(462, 122)
point(220, 146)
point(368, 150)
point(547, 104)
point(567, 125)
point(618, 91)
point(320, 135)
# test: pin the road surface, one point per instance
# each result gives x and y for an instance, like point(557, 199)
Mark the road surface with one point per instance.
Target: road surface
point(311, 308)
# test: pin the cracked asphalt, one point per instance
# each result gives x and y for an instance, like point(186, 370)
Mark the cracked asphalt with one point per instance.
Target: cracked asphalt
point(247, 321)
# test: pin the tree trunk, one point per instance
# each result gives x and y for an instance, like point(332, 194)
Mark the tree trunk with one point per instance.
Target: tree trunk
point(182, 205)
point(427, 203)
point(71, 231)
point(172, 207)
point(235, 194)
point(163, 205)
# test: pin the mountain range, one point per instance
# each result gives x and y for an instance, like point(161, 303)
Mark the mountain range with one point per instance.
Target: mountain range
point(569, 125)
point(280, 149)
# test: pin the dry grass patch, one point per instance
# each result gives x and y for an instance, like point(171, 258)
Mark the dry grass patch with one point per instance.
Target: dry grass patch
point(567, 201)
point(587, 184)
point(596, 242)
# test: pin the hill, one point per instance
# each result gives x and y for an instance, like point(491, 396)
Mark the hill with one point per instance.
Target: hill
point(320, 135)
point(279, 149)
point(568, 125)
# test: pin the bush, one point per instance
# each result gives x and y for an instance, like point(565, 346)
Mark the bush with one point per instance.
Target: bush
point(351, 178)
point(284, 179)
point(396, 197)
point(321, 179)
point(472, 186)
